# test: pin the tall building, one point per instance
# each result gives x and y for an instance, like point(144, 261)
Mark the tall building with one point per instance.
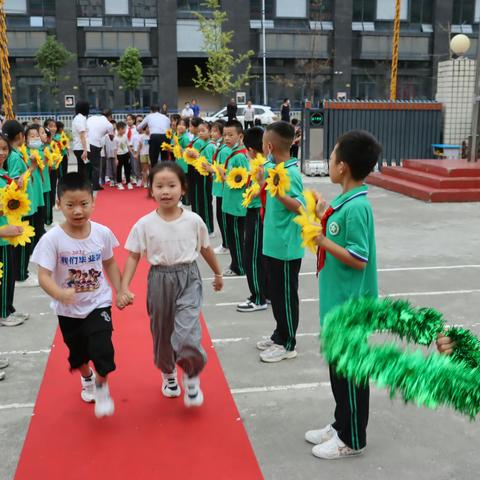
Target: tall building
point(315, 48)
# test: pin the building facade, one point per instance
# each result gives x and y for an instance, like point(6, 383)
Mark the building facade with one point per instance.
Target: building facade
point(315, 48)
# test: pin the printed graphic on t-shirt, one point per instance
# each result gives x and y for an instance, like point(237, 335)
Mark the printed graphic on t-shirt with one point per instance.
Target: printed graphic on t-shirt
point(79, 276)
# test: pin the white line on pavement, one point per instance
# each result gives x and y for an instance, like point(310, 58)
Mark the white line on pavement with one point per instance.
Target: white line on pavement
point(242, 339)
point(25, 352)
point(381, 270)
point(16, 405)
point(279, 388)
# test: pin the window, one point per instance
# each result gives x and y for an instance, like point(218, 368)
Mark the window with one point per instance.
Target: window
point(477, 11)
point(386, 10)
point(15, 6)
point(421, 11)
point(98, 91)
point(116, 7)
point(363, 11)
point(144, 96)
point(464, 11)
point(25, 42)
point(289, 9)
point(114, 43)
point(30, 95)
point(144, 8)
point(189, 37)
point(41, 8)
point(256, 9)
point(321, 10)
point(191, 5)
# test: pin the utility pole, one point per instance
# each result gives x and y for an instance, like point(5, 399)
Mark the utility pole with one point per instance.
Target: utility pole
point(396, 41)
point(475, 111)
point(264, 54)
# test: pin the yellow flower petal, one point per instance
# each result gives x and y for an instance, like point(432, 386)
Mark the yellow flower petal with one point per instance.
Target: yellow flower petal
point(237, 178)
point(169, 133)
point(218, 177)
point(250, 193)
point(255, 164)
point(167, 146)
point(310, 231)
point(190, 155)
point(311, 206)
point(199, 166)
point(25, 237)
point(38, 159)
point(23, 151)
point(15, 202)
point(1, 270)
point(278, 181)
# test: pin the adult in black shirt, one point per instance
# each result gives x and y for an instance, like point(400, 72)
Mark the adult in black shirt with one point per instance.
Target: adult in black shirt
point(231, 110)
point(285, 111)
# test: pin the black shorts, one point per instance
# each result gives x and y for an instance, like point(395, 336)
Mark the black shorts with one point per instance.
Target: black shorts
point(90, 339)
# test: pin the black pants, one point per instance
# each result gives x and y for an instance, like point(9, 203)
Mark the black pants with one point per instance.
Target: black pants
point(38, 222)
point(53, 192)
point(254, 260)
point(63, 168)
point(249, 124)
point(81, 165)
point(7, 285)
point(154, 149)
point(283, 289)
point(222, 222)
point(124, 162)
point(202, 199)
point(294, 151)
point(236, 242)
point(351, 410)
point(96, 161)
point(48, 209)
point(21, 255)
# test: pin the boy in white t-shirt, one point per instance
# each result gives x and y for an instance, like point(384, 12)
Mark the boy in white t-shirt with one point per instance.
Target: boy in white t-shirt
point(123, 153)
point(143, 148)
point(72, 259)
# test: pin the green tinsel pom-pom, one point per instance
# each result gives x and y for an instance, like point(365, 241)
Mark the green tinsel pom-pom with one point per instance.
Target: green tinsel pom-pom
point(431, 380)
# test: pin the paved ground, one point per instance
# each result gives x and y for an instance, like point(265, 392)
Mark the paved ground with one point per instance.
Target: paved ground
point(427, 253)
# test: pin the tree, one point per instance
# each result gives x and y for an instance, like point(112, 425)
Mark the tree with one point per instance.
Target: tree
point(51, 57)
point(130, 70)
point(222, 73)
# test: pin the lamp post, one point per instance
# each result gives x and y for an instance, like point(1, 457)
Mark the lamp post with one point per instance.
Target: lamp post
point(264, 55)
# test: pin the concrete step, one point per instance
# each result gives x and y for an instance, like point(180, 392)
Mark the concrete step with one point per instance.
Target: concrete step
point(445, 168)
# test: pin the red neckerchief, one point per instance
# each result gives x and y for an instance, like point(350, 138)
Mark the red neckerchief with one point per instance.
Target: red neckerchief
point(7, 179)
point(190, 145)
point(263, 200)
point(217, 151)
point(321, 252)
point(129, 133)
point(243, 151)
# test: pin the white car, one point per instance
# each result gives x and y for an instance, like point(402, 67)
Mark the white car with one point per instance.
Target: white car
point(264, 114)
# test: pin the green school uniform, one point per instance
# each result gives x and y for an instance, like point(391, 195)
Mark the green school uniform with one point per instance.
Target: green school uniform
point(16, 168)
point(233, 197)
point(46, 185)
point(64, 151)
point(199, 144)
point(223, 153)
point(184, 142)
point(281, 235)
point(209, 151)
point(37, 186)
point(3, 218)
point(352, 227)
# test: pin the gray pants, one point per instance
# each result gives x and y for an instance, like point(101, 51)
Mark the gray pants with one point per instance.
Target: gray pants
point(174, 298)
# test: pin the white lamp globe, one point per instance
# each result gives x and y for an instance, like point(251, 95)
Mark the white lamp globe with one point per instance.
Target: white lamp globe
point(460, 44)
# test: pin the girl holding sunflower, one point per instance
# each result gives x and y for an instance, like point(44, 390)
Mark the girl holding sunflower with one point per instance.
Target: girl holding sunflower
point(57, 137)
point(46, 137)
point(54, 167)
point(8, 316)
point(20, 168)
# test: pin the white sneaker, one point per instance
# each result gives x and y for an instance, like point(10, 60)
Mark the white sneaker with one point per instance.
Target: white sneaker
point(4, 363)
point(139, 182)
point(170, 386)
point(221, 250)
point(193, 394)
point(120, 186)
point(112, 183)
point(88, 388)
point(129, 186)
point(31, 281)
point(107, 180)
point(265, 344)
point(320, 436)
point(230, 273)
point(334, 449)
point(277, 353)
point(145, 185)
point(104, 406)
point(25, 316)
point(250, 306)
point(12, 321)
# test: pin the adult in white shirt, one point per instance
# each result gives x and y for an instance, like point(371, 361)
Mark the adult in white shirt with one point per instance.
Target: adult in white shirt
point(158, 124)
point(249, 116)
point(79, 133)
point(98, 126)
point(187, 111)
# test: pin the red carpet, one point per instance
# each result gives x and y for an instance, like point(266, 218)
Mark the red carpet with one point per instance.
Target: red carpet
point(149, 437)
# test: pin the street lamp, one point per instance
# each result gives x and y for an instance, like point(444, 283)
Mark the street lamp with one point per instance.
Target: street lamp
point(460, 45)
point(264, 55)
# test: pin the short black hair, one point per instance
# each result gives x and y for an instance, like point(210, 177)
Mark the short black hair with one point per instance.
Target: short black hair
point(294, 121)
point(107, 112)
point(82, 107)
point(196, 122)
point(222, 121)
point(185, 121)
point(219, 126)
point(131, 115)
point(253, 138)
point(360, 150)
point(72, 182)
point(284, 133)
point(236, 125)
point(154, 108)
point(172, 166)
point(175, 117)
point(11, 128)
point(60, 125)
point(121, 125)
point(47, 121)
point(30, 128)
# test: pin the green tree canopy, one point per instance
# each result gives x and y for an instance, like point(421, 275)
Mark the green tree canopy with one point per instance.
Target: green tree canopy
point(130, 69)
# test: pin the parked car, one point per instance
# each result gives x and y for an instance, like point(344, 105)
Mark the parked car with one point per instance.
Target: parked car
point(263, 113)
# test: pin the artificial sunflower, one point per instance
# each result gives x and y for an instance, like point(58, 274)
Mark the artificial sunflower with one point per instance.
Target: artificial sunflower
point(64, 140)
point(1, 270)
point(255, 164)
point(190, 155)
point(199, 166)
point(169, 133)
point(278, 181)
point(24, 153)
point(310, 231)
point(49, 157)
point(237, 178)
point(218, 178)
point(15, 202)
point(166, 146)
point(25, 237)
point(177, 151)
point(58, 158)
point(250, 193)
point(38, 159)
point(26, 179)
point(311, 206)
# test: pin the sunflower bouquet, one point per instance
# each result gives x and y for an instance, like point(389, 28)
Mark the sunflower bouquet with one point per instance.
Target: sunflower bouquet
point(250, 193)
point(237, 178)
point(49, 157)
point(56, 154)
point(308, 219)
point(278, 181)
point(15, 202)
point(25, 237)
point(166, 147)
point(38, 159)
point(190, 155)
point(64, 140)
point(199, 166)
point(26, 179)
point(169, 133)
point(23, 152)
point(218, 177)
point(255, 165)
point(1, 270)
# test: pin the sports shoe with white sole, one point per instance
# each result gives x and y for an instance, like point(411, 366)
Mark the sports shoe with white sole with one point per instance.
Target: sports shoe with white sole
point(129, 186)
point(193, 394)
point(12, 321)
point(265, 344)
point(320, 436)
point(120, 186)
point(221, 250)
point(104, 406)
point(2, 375)
point(250, 306)
point(334, 449)
point(170, 387)
point(31, 281)
point(230, 273)
point(88, 387)
point(277, 353)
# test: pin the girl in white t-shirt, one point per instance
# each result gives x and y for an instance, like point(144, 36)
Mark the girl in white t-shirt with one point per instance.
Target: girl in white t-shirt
point(171, 239)
point(143, 148)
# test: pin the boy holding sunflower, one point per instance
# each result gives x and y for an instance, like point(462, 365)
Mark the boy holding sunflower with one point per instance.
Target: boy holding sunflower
point(282, 242)
point(234, 174)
